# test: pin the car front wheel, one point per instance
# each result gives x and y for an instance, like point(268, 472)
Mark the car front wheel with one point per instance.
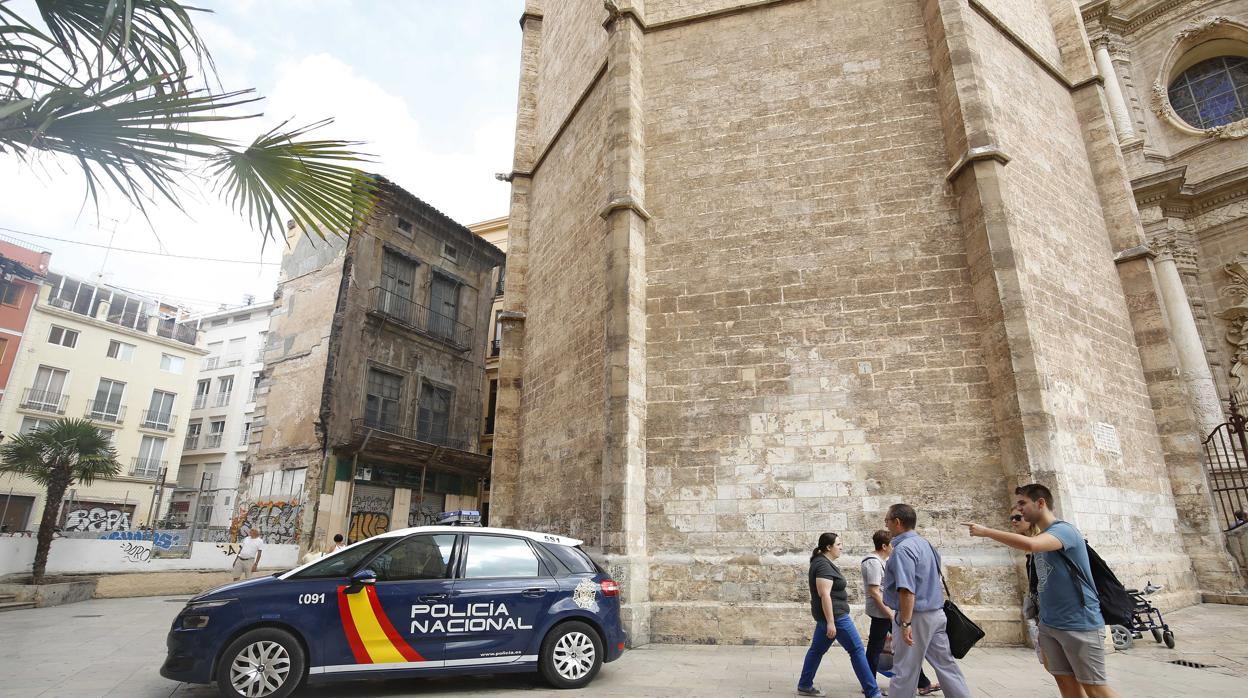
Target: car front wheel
point(261, 663)
point(571, 655)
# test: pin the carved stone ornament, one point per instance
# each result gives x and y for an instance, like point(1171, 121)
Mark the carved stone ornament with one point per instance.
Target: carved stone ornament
point(1236, 318)
point(1170, 246)
point(1197, 32)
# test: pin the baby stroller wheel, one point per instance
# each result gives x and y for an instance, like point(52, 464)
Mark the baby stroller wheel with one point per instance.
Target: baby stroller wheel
point(1121, 637)
point(1157, 635)
point(1168, 637)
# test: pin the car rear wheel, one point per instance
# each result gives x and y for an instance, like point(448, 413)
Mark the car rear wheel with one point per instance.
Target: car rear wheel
point(571, 655)
point(261, 663)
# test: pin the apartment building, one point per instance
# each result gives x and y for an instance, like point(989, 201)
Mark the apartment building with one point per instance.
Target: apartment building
point(493, 231)
point(127, 363)
point(371, 405)
point(21, 272)
point(224, 401)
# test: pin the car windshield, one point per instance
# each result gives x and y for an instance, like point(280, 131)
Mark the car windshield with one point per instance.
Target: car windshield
point(341, 563)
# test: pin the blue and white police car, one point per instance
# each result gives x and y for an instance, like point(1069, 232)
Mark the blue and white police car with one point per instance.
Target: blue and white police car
point(424, 601)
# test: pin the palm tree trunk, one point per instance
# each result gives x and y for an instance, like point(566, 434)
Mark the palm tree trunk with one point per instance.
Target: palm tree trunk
point(47, 526)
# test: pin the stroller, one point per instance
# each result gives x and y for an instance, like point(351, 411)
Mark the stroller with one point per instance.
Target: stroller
point(1144, 616)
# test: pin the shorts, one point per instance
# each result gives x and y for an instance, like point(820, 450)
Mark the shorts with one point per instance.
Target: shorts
point(1078, 653)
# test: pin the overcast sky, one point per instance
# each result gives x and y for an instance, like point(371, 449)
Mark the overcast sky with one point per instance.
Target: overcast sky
point(429, 84)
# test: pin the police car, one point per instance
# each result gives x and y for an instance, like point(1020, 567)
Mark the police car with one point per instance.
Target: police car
point(432, 600)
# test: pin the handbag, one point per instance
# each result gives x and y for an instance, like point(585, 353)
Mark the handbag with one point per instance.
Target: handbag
point(962, 631)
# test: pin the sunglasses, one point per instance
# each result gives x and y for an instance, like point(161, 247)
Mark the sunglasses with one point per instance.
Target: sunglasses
point(1016, 518)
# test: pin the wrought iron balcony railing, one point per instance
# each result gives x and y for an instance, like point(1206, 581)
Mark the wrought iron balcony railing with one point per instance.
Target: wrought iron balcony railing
point(146, 468)
point(191, 442)
point(200, 401)
point(101, 411)
point(496, 347)
point(44, 401)
point(415, 434)
point(221, 399)
point(213, 441)
point(159, 421)
point(416, 316)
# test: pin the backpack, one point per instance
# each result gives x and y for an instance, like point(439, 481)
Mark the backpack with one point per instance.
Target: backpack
point(1117, 606)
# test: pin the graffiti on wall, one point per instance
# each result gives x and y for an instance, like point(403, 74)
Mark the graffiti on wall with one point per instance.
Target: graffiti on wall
point(426, 513)
point(366, 524)
point(135, 552)
point(370, 512)
point(229, 548)
point(277, 521)
point(159, 539)
point(89, 516)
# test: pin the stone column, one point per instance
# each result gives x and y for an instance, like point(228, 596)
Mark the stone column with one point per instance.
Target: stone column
point(624, 452)
point(1113, 93)
point(1183, 332)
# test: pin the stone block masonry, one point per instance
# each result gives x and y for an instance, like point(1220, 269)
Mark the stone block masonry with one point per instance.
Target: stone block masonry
point(867, 259)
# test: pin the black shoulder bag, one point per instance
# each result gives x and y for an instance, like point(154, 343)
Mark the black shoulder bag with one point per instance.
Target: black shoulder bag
point(963, 632)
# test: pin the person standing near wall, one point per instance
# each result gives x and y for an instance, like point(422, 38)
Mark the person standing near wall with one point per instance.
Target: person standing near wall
point(248, 560)
point(882, 616)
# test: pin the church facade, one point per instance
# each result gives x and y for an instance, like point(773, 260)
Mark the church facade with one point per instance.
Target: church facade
point(775, 265)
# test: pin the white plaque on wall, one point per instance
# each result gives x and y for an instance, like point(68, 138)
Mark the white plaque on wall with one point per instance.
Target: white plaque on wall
point(1105, 437)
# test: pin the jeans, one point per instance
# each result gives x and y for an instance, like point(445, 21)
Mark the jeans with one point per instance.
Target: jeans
point(880, 628)
point(847, 635)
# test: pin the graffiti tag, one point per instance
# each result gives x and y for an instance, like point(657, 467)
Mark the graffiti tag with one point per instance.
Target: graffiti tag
point(229, 549)
point(278, 522)
point(366, 524)
point(133, 552)
point(97, 519)
point(163, 541)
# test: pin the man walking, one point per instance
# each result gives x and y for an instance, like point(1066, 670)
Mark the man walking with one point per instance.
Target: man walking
point(912, 588)
point(881, 615)
point(248, 560)
point(1072, 631)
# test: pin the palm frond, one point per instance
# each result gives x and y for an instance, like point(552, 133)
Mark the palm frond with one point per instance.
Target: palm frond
point(146, 38)
point(309, 180)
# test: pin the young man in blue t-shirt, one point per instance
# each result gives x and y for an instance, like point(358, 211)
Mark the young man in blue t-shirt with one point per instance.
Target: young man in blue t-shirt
point(1072, 631)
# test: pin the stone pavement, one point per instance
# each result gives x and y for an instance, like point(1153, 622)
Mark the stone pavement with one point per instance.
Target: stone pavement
point(114, 647)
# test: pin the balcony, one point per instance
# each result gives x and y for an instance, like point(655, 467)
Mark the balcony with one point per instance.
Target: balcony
point(258, 357)
point(159, 421)
point(234, 360)
point(221, 399)
point(496, 347)
point(498, 287)
point(251, 395)
point(213, 441)
point(146, 468)
point(101, 411)
point(245, 439)
point(200, 401)
point(415, 316)
point(191, 442)
point(413, 434)
point(211, 362)
point(44, 401)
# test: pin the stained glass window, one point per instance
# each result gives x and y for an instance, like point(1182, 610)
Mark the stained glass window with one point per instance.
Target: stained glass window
point(1213, 92)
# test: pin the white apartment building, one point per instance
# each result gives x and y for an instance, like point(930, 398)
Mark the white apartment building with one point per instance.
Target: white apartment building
point(127, 363)
point(224, 399)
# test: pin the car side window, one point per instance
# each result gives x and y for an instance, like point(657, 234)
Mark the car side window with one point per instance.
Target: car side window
point(416, 557)
point(341, 563)
point(499, 556)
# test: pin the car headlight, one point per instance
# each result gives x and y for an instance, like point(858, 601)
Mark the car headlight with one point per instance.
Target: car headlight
point(202, 605)
point(194, 622)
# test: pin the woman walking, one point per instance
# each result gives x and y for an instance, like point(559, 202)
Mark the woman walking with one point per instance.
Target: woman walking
point(829, 605)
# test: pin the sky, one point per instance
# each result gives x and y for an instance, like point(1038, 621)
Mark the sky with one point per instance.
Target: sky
point(429, 85)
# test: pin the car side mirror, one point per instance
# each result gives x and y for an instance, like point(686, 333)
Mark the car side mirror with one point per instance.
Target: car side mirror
point(364, 577)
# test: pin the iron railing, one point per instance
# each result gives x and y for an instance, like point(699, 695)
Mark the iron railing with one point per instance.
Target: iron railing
point(221, 399)
point(1225, 449)
point(213, 441)
point(496, 347)
point(44, 401)
point(159, 421)
point(416, 316)
point(234, 360)
point(498, 287)
point(211, 362)
point(200, 401)
point(414, 434)
point(101, 411)
point(146, 468)
point(191, 442)
point(251, 395)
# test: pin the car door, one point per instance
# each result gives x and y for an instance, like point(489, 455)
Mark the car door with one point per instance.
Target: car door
point(370, 628)
point(501, 596)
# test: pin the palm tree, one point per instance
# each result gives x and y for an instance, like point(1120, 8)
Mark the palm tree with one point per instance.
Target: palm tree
point(65, 452)
point(108, 83)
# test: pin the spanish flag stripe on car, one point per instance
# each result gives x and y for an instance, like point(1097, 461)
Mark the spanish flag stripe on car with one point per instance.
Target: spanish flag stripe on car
point(373, 639)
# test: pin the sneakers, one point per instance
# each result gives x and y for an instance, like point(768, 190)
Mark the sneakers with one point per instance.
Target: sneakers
point(812, 691)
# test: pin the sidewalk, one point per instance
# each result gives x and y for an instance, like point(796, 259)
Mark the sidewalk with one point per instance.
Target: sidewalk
point(114, 647)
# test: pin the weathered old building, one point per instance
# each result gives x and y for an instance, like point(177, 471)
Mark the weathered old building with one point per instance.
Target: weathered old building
point(369, 410)
point(776, 265)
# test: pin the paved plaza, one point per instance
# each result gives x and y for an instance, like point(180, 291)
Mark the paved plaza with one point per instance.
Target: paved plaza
point(114, 647)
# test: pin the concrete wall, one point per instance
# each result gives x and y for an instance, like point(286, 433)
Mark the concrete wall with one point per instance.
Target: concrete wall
point(70, 556)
